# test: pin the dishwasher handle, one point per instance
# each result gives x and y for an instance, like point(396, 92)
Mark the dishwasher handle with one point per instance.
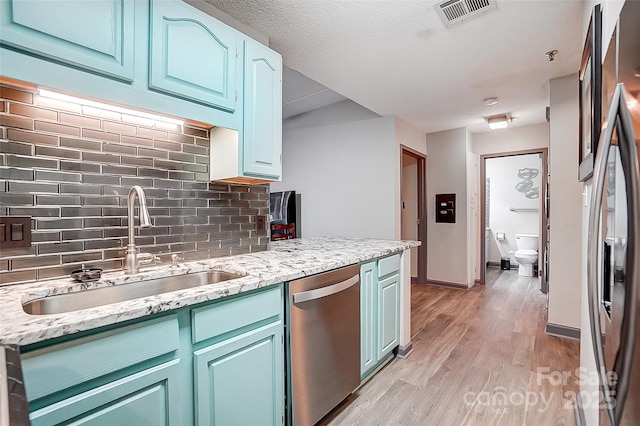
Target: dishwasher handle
point(306, 296)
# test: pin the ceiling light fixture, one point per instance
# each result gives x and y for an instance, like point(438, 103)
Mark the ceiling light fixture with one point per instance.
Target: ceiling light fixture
point(551, 54)
point(490, 101)
point(86, 102)
point(498, 121)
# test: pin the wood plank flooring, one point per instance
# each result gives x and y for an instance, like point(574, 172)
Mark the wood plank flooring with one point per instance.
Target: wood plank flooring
point(481, 357)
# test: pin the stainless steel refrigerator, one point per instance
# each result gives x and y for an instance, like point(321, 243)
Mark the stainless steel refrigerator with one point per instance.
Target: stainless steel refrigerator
point(614, 230)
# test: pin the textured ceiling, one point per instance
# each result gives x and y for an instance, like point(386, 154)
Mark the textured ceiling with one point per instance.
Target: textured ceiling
point(397, 57)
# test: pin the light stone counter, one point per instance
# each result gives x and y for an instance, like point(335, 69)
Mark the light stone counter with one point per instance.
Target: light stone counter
point(284, 261)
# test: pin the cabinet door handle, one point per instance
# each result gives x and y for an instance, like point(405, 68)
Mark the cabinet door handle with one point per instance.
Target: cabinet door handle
point(305, 296)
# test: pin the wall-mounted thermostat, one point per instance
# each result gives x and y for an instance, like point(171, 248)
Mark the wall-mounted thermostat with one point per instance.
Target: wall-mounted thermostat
point(446, 208)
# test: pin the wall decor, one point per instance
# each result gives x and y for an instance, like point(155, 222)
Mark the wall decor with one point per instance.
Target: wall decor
point(590, 91)
point(526, 184)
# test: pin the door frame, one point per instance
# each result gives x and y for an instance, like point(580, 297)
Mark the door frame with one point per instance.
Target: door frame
point(544, 152)
point(422, 207)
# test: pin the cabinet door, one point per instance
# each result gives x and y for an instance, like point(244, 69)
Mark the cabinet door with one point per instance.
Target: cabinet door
point(148, 398)
point(193, 56)
point(96, 36)
point(368, 320)
point(388, 314)
point(240, 381)
point(262, 129)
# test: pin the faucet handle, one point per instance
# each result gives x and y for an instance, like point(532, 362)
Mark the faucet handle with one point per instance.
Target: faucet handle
point(175, 259)
point(147, 258)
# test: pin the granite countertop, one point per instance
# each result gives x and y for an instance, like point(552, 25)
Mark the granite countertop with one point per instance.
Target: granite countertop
point(284, 261)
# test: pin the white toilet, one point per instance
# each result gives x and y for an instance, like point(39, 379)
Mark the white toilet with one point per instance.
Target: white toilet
point(527, 253)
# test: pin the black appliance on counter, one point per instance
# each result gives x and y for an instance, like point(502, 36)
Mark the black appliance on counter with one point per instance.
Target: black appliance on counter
point(284, 211)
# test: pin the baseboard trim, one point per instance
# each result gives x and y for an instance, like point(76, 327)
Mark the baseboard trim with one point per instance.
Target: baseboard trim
point(448, 284)
point(562, 331)
point(404, 352)
point(414, 280)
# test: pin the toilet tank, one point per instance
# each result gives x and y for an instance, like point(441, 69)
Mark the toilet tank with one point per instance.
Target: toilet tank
point(527, 241)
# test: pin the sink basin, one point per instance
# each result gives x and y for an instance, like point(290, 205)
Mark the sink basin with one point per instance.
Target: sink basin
point(92, 298)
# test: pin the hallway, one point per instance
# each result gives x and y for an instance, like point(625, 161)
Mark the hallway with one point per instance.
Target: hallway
point(481, 357)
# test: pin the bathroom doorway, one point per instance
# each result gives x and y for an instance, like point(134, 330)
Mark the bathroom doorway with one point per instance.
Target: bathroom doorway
point(413, 222)
point(522, 179)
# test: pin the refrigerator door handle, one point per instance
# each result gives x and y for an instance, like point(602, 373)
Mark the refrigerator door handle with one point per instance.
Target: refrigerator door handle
point(593, 248)
point(619, 114)
point(631, 169)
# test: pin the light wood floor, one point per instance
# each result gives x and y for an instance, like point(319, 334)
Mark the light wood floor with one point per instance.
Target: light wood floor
point(476, 361)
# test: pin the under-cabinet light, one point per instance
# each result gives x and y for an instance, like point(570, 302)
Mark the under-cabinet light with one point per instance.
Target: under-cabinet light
point(86, 102)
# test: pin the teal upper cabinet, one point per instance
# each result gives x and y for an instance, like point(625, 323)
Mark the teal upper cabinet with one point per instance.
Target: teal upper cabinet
point(262, 111)
point(95, 36)
point(254, 153)
point(192, 55)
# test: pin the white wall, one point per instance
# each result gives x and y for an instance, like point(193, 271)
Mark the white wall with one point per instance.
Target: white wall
point(565, 242)
point(447, 243)
point(511, 139)
point(410, 136)
point(502, 173)
point(341, 159)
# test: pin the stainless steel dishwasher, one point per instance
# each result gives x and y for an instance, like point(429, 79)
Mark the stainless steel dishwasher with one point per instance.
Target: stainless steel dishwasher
point(324, 342)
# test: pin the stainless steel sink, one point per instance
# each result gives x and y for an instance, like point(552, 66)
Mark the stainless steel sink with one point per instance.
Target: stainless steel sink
point(92, 298)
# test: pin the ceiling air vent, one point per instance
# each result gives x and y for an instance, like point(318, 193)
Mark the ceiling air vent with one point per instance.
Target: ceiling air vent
point(454, 11)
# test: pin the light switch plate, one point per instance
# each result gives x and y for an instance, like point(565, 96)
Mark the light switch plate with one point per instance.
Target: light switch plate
point(15, 232)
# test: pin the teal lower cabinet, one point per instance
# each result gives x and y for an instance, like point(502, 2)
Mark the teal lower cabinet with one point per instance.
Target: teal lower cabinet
point(238, 360)
point(240, 381)
point(380, 312)
point(388, 306)
point(202, 365)
point(368, 317)
point(147, 398)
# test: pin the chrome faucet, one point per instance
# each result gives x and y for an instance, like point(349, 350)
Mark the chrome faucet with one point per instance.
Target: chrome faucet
point(131, 264)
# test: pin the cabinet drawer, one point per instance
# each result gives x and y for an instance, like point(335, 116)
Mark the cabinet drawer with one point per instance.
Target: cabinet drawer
point(226, 316)
point(67, 364)
point(389, 265)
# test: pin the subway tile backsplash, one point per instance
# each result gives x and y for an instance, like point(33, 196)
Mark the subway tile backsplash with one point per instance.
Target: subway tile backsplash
point(70, 168)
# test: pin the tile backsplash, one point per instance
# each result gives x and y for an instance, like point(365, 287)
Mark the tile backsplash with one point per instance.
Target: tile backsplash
point(70, 167)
